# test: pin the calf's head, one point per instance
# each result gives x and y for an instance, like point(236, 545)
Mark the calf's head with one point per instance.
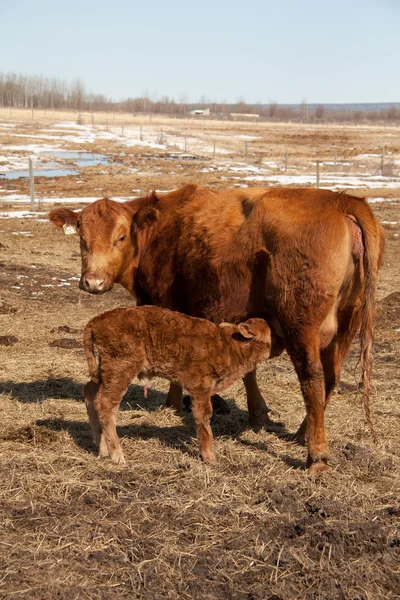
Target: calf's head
point(111, 240)
point(252, 330)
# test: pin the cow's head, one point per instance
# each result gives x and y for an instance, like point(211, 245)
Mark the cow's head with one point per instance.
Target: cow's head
point(112, 238)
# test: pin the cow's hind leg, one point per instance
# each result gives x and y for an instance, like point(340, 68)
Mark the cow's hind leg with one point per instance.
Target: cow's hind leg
point(106, 404)
point(174, 397)
point(303, 349)
point(202, 411)
point(258, 411)
point(332, 358)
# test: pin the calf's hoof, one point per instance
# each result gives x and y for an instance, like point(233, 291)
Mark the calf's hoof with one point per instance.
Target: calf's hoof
point(209, 458)
point(118, 458)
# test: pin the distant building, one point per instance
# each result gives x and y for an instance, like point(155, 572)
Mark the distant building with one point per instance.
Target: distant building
point(240, 116)
point(200, 112)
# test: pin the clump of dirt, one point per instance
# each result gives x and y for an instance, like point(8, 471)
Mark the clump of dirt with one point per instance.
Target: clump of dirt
point(7, 309)
point(367, 459)
point(388, 310)
point(8, 340)
point(67, 343)
point(64, 329)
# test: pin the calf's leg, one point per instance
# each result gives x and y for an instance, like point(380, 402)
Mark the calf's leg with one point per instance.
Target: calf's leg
point(90, 392)
point(106, 405)
point(202, 411)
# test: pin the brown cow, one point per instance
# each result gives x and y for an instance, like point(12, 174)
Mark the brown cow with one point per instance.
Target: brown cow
point(306, 260)
point(148, 341)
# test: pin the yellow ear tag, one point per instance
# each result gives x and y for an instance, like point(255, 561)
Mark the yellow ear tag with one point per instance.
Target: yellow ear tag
point(69, 229)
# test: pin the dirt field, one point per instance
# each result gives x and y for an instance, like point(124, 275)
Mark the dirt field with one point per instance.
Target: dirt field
point(254, 527)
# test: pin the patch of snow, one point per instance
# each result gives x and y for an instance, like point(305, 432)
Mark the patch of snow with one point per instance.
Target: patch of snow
point(20, 214)
point(249, 137)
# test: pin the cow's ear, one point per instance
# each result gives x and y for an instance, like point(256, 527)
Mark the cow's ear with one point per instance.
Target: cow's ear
point(145, 217)
point(63, 217)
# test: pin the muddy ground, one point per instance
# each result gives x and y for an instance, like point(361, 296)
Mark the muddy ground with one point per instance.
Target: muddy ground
point(253, 527)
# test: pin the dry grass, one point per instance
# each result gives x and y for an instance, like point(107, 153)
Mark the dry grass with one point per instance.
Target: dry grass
point(167, 526)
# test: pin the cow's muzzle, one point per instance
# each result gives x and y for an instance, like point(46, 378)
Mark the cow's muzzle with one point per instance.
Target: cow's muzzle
point(94, 284)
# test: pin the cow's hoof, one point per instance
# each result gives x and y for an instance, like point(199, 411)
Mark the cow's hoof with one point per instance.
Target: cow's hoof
point(178, 409)
point(298, 438)
point(187, 403)
point(220, 406)
point(317, 468)
point(258, 420)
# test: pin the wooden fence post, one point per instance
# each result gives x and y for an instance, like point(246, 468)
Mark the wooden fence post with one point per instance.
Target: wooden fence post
point(245, 151)
point(31, 185)
point(214, 145)
point(185, 143)
point(317, 173)
point(141, 134)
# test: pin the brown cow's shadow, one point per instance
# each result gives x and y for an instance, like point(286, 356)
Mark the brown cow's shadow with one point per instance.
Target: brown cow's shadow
point(38, 391)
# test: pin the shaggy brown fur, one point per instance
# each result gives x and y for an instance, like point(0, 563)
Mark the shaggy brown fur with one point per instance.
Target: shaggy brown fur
point(146, 341)
point(306, 260)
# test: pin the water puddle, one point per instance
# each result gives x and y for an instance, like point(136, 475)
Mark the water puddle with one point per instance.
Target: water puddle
point(81, 159)
point(38, 173)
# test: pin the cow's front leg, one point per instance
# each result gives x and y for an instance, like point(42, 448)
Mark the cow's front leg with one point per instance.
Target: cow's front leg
point(174, 397)
point(258, 410)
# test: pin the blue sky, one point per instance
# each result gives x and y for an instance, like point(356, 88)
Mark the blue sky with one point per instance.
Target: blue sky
point(259, 51)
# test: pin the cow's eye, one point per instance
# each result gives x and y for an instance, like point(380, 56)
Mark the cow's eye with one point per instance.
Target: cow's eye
point(121, 238)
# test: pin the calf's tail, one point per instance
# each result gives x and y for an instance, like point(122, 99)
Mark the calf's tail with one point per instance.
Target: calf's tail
point(88, 348)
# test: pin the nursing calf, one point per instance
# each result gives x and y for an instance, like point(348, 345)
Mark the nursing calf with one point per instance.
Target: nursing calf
point(148, 341)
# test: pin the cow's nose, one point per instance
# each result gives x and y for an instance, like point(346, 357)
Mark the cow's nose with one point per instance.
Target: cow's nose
point(93, 284)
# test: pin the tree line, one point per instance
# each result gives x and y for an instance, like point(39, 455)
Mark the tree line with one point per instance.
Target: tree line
point(39, 92)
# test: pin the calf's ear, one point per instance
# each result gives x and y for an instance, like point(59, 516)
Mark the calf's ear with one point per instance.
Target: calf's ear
point(246, 330)
point(65, 218)
point(259, 331)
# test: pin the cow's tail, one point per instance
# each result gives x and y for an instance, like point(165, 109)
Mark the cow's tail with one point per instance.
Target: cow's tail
point(373, 239)
point(89, 349)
